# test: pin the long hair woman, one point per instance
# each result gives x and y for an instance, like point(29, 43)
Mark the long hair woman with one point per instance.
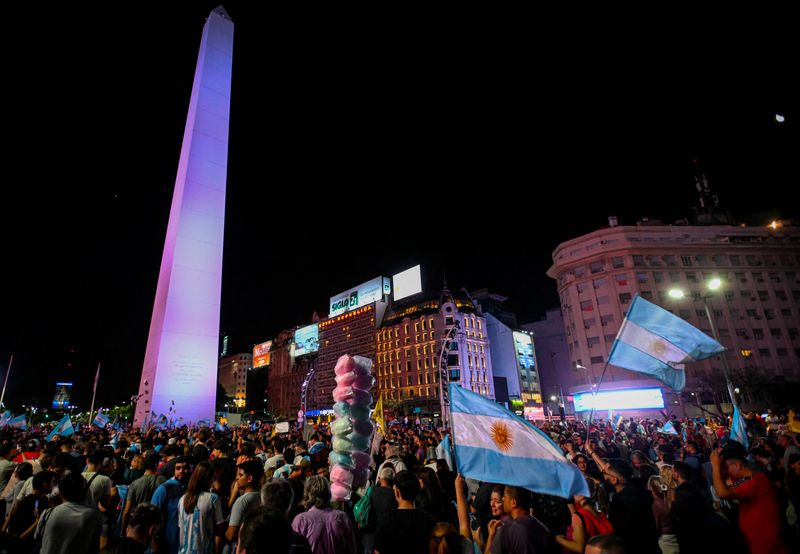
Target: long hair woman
point(662, 509)
point(431, 497)
point(200, 520)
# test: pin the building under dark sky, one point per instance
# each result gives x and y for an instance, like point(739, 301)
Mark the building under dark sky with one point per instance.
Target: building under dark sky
point(354, 151)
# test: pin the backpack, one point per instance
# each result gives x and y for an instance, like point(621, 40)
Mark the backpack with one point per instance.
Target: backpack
point(362, 509)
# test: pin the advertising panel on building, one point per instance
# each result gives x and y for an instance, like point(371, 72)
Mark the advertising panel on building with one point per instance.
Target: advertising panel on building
point(363, 294)
point(261, 354)
point(61, 398)
point(407, 282)
point(524, 347)
point(306, 340)
point(630, 399)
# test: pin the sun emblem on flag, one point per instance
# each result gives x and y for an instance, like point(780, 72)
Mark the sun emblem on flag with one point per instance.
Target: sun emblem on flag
point(501, 435)
point(658, 347)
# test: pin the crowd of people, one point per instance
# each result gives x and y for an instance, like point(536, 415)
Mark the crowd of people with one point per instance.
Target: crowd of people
point(655, 486)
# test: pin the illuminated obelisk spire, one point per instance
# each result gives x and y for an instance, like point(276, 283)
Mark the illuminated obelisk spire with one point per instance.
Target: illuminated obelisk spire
point(180, 364)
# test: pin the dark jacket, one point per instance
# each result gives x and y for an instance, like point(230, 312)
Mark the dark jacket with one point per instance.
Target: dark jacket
point(698, 527)
point(631, 514)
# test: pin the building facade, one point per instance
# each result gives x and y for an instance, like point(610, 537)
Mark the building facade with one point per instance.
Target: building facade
point(755, 310)
point(514, 359)
point(233, 374)
point(408, 346)
point(286, 375)
point(552, 355)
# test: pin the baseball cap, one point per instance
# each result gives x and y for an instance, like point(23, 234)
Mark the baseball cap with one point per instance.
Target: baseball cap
point(300, 461)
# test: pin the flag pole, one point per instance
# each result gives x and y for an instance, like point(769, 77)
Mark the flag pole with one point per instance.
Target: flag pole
point(94, 393)
point(5, 382)
point(595, 390)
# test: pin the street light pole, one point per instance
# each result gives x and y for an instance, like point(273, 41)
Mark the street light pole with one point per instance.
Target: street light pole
point(725, 369)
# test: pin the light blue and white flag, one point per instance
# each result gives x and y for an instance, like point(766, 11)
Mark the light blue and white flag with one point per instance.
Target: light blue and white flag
point(63, 429)
point(101, 419)
point(114, 441)
point(443, 451)
point(653, 341)
point(739, 428)
point(4, 417)
point(494, 445)
point(18, 422)
point(668, 429)
point(161, 422)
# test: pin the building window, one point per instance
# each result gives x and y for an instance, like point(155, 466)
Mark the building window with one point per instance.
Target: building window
point(593, 341)
point(586, 306)
point(641, 278)
point(638, 261)
point(780, 294)
point(600, 283)
point(596, 267)
point(589, 323)
point(769, 314)
point(782, 352)
point(686, 261)
point(786, 312)
point(617, 262)
point(647, 295)
point(416, 326)
point(763, 295)
point(621, 280)
point(609, 338)
point(758, 334)
point(606, 319)
point(764, 352)
point(792, 333)
point(776, 333)
point(602, 300)
point(596, 360)
point(582, 287)
point(624, 298)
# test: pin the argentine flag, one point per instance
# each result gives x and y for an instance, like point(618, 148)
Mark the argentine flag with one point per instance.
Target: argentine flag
point(739, 429)
point(101, 420)
point(668, 429)
point(653, 341)
point(494, 445)
point(4, 417)
point(64, 429)
point(18, 422)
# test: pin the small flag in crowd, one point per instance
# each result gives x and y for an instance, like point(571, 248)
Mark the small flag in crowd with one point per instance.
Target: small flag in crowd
point(114, 441)
point(204, 423)
point(101, 419)
point(494, 445)
point(443, 451)
point(219, 427)
point(377, 415)
point(739, 428)
point(63, 429)
point(668, 429)
point(18, 422)
point(651, 340)
point(4, 417)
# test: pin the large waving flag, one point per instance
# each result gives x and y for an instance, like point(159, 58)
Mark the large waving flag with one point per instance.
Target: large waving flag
point(668, 429)
point(101, 419)
point(494, 445)
point(739, 428)
point(18, 422)
point(4, 418)
point(64, 429)
point(653, 341)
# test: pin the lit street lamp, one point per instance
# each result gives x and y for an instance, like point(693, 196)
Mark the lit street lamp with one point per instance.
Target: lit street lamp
point(712, 285)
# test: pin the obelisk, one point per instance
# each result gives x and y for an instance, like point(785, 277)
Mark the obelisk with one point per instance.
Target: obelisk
point(179, 375)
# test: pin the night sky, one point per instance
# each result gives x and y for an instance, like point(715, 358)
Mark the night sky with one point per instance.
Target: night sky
point(355, 150)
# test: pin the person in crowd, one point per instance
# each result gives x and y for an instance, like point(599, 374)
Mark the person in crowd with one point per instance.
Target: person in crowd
point(446, 478)
point(72, 526)
point(786, 442)
point(606, 544)
point(760, 514)
point(382, 506)
point(643, 468)
point(144, 523)
point(408, 529)
point(328, 531)
point(166, 498)
point(200, 519)
point(393, 459)
point(136, 469)
point(224, 469)
point(247, 494)
point(630, 510)
point(21, 523)
point(141, 490)
point(22, 472)
point(265, 530)
point(524, 534)
point(278, 495)
point(586, 523)
point(431, 497)
point(662, 508)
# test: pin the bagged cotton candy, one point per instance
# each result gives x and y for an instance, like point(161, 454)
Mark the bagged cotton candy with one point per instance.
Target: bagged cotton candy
point(357, 442)
point(362, 427)
point(340, 492)
point(343, 394)
point(341, 474)
point(343, 426)
point(345, 364)
point(341, 409)
point(344, 445)
point(352, 379)
point(360, 478)
point(360, 398)
point(362, 460)
point(341, 459)
point(359, 413)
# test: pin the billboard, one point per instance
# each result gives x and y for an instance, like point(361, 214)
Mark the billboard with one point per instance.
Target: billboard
point(363, 294)
point(61, 397)
point(523, 345)
point(630, 399)
point(261, 354)
point(407, 282)
point(306, 340)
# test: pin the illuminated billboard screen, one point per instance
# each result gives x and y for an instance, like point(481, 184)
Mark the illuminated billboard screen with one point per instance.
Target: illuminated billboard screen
point(61, 398)
point(619, 400)
point(407, 282)
point(261, 354)
point(306, 340)
point(523, 344)
point(363, 294)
